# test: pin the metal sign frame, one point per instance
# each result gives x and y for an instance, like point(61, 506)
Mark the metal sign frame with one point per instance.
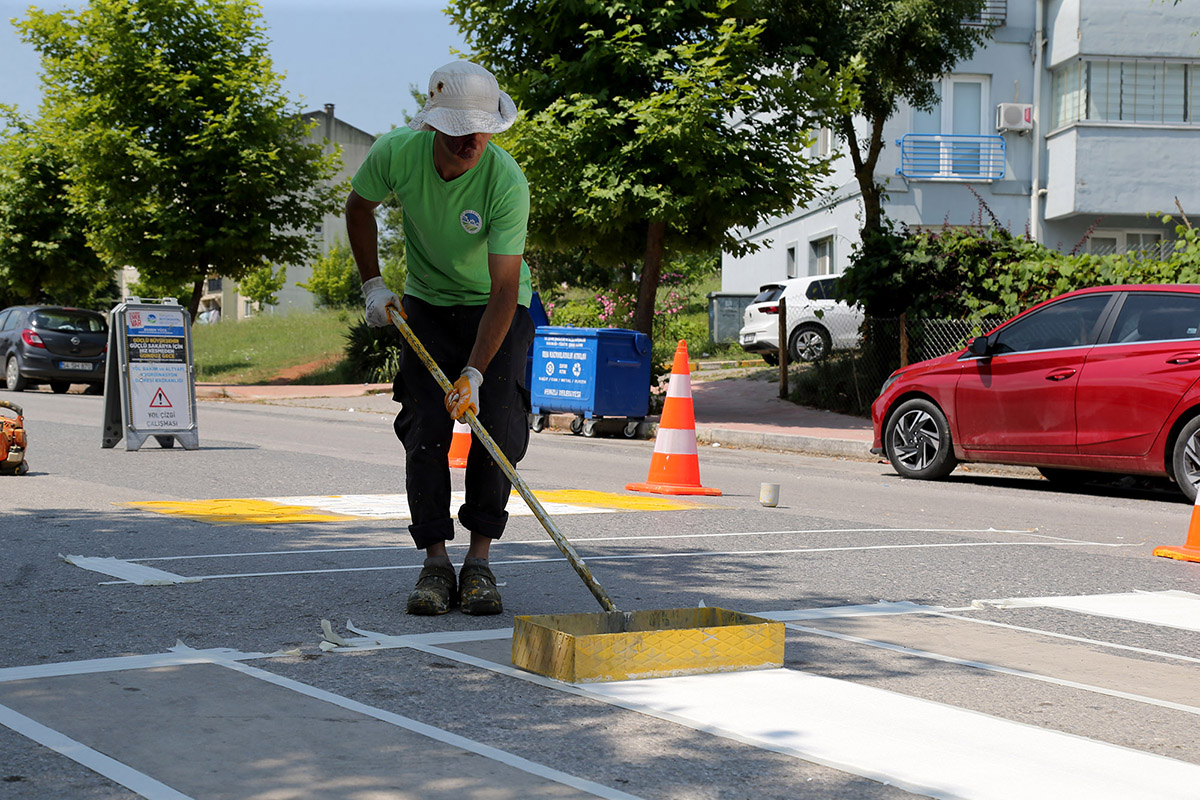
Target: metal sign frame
point(150, 376)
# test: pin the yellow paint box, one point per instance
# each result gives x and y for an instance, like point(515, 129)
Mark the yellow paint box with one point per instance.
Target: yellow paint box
point(626, 645)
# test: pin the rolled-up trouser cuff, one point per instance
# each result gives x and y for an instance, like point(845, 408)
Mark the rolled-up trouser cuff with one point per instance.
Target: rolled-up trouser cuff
point(481, 522)
point(432, 532)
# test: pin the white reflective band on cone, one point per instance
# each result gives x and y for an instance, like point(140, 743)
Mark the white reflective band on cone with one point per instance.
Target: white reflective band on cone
point(675, 442)
point(680, 386)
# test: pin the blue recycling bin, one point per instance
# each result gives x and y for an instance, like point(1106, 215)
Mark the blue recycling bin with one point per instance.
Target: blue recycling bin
point(590, 372)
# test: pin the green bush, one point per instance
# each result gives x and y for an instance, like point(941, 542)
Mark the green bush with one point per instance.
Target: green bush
point(335, 282)
point(372, 354)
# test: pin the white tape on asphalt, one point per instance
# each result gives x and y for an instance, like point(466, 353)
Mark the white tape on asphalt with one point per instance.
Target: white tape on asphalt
point(110, 768)
point(127, 571)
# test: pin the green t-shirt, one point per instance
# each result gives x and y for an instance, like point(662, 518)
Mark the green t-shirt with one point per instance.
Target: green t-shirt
point(450, 226)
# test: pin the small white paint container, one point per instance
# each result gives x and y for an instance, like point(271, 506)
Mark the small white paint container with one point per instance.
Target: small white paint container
point(768, 495)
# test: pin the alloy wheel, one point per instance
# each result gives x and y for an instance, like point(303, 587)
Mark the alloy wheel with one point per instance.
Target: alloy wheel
point(916, 440)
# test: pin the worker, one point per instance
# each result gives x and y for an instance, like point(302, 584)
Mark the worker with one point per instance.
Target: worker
point(466, 298)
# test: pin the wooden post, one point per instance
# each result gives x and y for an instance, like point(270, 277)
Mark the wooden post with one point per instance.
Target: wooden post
point(783, 349)
point(904, 340)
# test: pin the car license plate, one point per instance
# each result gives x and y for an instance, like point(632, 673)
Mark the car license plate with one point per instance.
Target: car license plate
point(77, 365)
point(747, 338)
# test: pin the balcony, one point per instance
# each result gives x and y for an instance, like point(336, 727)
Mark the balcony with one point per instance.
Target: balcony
point(951, 157)
point(993, 14)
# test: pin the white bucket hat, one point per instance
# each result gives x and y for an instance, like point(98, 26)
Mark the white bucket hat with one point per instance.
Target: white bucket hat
point(464, 98)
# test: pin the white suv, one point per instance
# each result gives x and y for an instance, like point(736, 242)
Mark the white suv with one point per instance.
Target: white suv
point(817, 323)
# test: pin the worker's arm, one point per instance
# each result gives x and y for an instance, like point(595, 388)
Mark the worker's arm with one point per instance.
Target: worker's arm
point(505, 272)
point(363, 233)
point(493, 327)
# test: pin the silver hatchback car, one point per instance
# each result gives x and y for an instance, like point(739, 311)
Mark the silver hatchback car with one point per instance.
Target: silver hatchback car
point(817, 323)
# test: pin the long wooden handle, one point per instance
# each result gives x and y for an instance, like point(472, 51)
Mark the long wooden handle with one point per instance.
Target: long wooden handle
point(510, 472)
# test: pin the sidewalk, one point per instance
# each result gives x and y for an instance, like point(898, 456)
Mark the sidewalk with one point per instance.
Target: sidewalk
point(738, 412)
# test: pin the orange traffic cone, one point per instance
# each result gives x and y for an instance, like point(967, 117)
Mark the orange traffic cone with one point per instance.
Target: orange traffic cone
point(675, 467)
point(460, 444)
point(1190, 551)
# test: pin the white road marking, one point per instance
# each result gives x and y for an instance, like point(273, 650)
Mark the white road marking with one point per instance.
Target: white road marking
point(921, 746)
point(1019, 673)
point(127, 571)
point(94, 760)
point(640, 556)
point(1171, 608)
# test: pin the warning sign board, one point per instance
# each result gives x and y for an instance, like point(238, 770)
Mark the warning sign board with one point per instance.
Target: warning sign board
point(150, 387)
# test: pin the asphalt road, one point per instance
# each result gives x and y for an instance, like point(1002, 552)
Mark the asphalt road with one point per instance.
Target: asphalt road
point(215, 685)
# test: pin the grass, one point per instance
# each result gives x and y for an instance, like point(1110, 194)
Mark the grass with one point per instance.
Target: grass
point(256, 350)
point(259, 349)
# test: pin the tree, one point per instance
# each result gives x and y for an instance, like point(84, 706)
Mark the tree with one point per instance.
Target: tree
point(260, 285)
point(181, 151)
point(44, 257)
point(649, 126)
point(905, 45)
point(335, 282)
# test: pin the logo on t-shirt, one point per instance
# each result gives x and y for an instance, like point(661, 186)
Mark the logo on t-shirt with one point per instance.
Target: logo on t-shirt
point(471, 221)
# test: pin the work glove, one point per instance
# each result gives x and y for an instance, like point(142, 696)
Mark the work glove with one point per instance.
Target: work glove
point(465, 394)
point(378, 300)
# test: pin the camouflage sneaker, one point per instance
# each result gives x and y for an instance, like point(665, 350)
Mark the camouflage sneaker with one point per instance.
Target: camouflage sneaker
point(478, 594)
point(436, 591)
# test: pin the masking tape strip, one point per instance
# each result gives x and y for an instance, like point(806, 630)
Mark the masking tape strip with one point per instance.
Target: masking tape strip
point(1018, 673)
point(437, 734)
point(127, 571)
point(835, 612)
point(80, 753)
point(639, 556)
point(174, 658)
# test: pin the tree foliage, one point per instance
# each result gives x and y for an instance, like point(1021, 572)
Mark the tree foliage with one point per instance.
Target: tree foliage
point(44, 257)
point(905, 46)
point(181, 152)
point(651, 126)
point(261, 285)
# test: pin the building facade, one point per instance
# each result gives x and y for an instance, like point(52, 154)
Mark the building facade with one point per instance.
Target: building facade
point(332, 133)
point(1077, 123)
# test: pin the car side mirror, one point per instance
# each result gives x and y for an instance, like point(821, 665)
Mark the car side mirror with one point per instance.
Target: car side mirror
point(978, 346)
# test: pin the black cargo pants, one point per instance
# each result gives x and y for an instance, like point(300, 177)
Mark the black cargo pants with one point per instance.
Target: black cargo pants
point(426, 430)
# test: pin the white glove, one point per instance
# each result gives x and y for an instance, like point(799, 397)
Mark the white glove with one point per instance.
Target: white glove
point(465, 394)
point(378, 299)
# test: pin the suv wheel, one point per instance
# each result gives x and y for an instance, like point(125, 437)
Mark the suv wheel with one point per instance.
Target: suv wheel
point(12, 376)
point(809, 342)
point(918, 443)
point(1185, 459)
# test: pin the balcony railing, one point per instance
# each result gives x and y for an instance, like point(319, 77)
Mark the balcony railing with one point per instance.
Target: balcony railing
point(993, 14)
point(948, 157)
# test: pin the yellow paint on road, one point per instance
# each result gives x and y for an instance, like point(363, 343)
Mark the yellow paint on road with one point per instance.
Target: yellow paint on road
point(343, 508)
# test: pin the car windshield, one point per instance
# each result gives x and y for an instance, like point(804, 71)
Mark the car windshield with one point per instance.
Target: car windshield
point(768, 293)
point(65, 320)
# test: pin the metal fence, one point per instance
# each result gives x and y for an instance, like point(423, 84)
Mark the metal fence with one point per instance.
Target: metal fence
point(848, 376)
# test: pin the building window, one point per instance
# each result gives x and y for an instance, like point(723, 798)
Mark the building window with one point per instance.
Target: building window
point(821, 257)
point(1137, 92)
point(791, 261)
point(213, 285)
point(822, 146)
point(1106, 242)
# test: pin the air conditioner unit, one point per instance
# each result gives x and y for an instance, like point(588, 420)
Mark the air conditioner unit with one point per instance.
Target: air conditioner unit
point(1014, 117)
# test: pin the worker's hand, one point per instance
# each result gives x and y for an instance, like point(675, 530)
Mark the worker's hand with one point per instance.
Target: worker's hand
point(378, 300)
point(465, 394)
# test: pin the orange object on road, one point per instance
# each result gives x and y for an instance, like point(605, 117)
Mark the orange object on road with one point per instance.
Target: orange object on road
point(460, 445)
point(1190, 551)
point(12, 441)
point(675, 465)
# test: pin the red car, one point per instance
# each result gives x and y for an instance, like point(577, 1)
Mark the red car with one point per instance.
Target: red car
point(1097, 380)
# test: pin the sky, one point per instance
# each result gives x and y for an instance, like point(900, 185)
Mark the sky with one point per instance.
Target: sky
point(360, 55)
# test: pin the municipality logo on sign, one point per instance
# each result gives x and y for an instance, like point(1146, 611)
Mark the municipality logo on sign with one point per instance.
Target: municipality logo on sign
point(471, 221)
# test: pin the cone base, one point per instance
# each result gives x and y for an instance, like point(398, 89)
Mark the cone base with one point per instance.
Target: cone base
point(671, 488)
point(1184, 553)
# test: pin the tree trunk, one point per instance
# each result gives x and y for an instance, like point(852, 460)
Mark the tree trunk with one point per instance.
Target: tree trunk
point(197, 293)
point(864, 170)
point(643, 318)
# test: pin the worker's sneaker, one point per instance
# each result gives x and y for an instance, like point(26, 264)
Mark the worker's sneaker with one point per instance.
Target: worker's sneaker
point(436, 591)
point(477, 588)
